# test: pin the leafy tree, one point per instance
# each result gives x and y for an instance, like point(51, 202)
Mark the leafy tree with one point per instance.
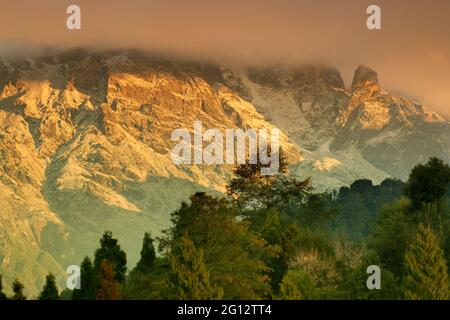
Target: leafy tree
point(426, 268)
point(190, 276)
point(214, 225)
point(393, 233)
point(354, 282)
point(315, 212)
point(18, 291)
point(2, 295)
point(290, 238)
point(297, 285)
point(50, 290)
point(148, 254)
point(359, 205)
point(88, 282)
point(110, 250)
point(320, 277)
point(426, 186)
point(108, 287)
point(254, 190)
point(353, 218)
point(151, 285)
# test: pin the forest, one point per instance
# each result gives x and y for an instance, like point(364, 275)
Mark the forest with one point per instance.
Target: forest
point(274, 237)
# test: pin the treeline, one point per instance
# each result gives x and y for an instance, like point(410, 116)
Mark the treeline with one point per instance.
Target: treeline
point(272, 237)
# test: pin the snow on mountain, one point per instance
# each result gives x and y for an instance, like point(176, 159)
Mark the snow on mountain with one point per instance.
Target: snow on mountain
point(85, 143)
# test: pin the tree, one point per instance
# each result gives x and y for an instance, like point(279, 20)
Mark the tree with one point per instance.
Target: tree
point(253, 190)
point(297, 285)
point(108, 287)
point(214, 225)
point(66, 294)
point(18, 290)
point(393, 232)
point(190, 276)
point(426, 186)
point(354, 281)
point(50, 290)
point(152, 285)
point(110, 250)
point(426, 268)
point(148, 255)
point(2, 295)
point(88, 282)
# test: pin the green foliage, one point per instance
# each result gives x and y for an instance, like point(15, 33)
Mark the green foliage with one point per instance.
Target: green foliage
point(426, 186)
point(153, 284)
point(359, 205)
point(354, 282)
point(428, 183)
point(426, 268)
point(18, 291)
point(272, 237)
point(215, 227)
point(110, 250)
point(315, 212)
point(393, 233)
point(88, 282)
point(108, 287)
point(189, 274)
point(254, 191)
point(66, 294)
point(296, 285)
point(50, 290)
point(148, 254)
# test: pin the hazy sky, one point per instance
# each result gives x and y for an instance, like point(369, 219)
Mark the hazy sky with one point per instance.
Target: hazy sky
point(411, 53)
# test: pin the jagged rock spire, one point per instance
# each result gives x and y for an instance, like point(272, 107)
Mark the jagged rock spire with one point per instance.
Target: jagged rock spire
point(363, 77)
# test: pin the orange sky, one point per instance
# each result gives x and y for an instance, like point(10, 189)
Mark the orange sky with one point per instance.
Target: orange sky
point(411, 54)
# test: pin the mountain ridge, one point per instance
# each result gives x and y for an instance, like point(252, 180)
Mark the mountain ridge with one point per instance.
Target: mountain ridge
point(85, 141)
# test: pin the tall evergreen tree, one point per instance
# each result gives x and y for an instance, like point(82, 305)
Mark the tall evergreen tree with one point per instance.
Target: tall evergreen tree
point(18, 291)
point(148, 255)
point(88, 282)
point(426, 268)
point(50, 290)
point(2, 295)
point(108, 287)
point(190, 276)
point(110, 250)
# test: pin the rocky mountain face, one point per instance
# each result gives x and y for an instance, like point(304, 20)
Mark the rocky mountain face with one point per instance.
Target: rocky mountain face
point(348, 134)
point(85, 143)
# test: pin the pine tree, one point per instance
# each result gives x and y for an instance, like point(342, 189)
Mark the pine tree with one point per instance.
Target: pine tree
point(88, 282)
point(2, 295)
point(148, 255)
point(110, 250)
point(18, 291)
point(426, 268)
point(50, 290)
point(190, 276)
point(108, 287)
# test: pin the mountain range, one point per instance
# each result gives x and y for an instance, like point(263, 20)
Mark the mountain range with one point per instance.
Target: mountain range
point(85, 143)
